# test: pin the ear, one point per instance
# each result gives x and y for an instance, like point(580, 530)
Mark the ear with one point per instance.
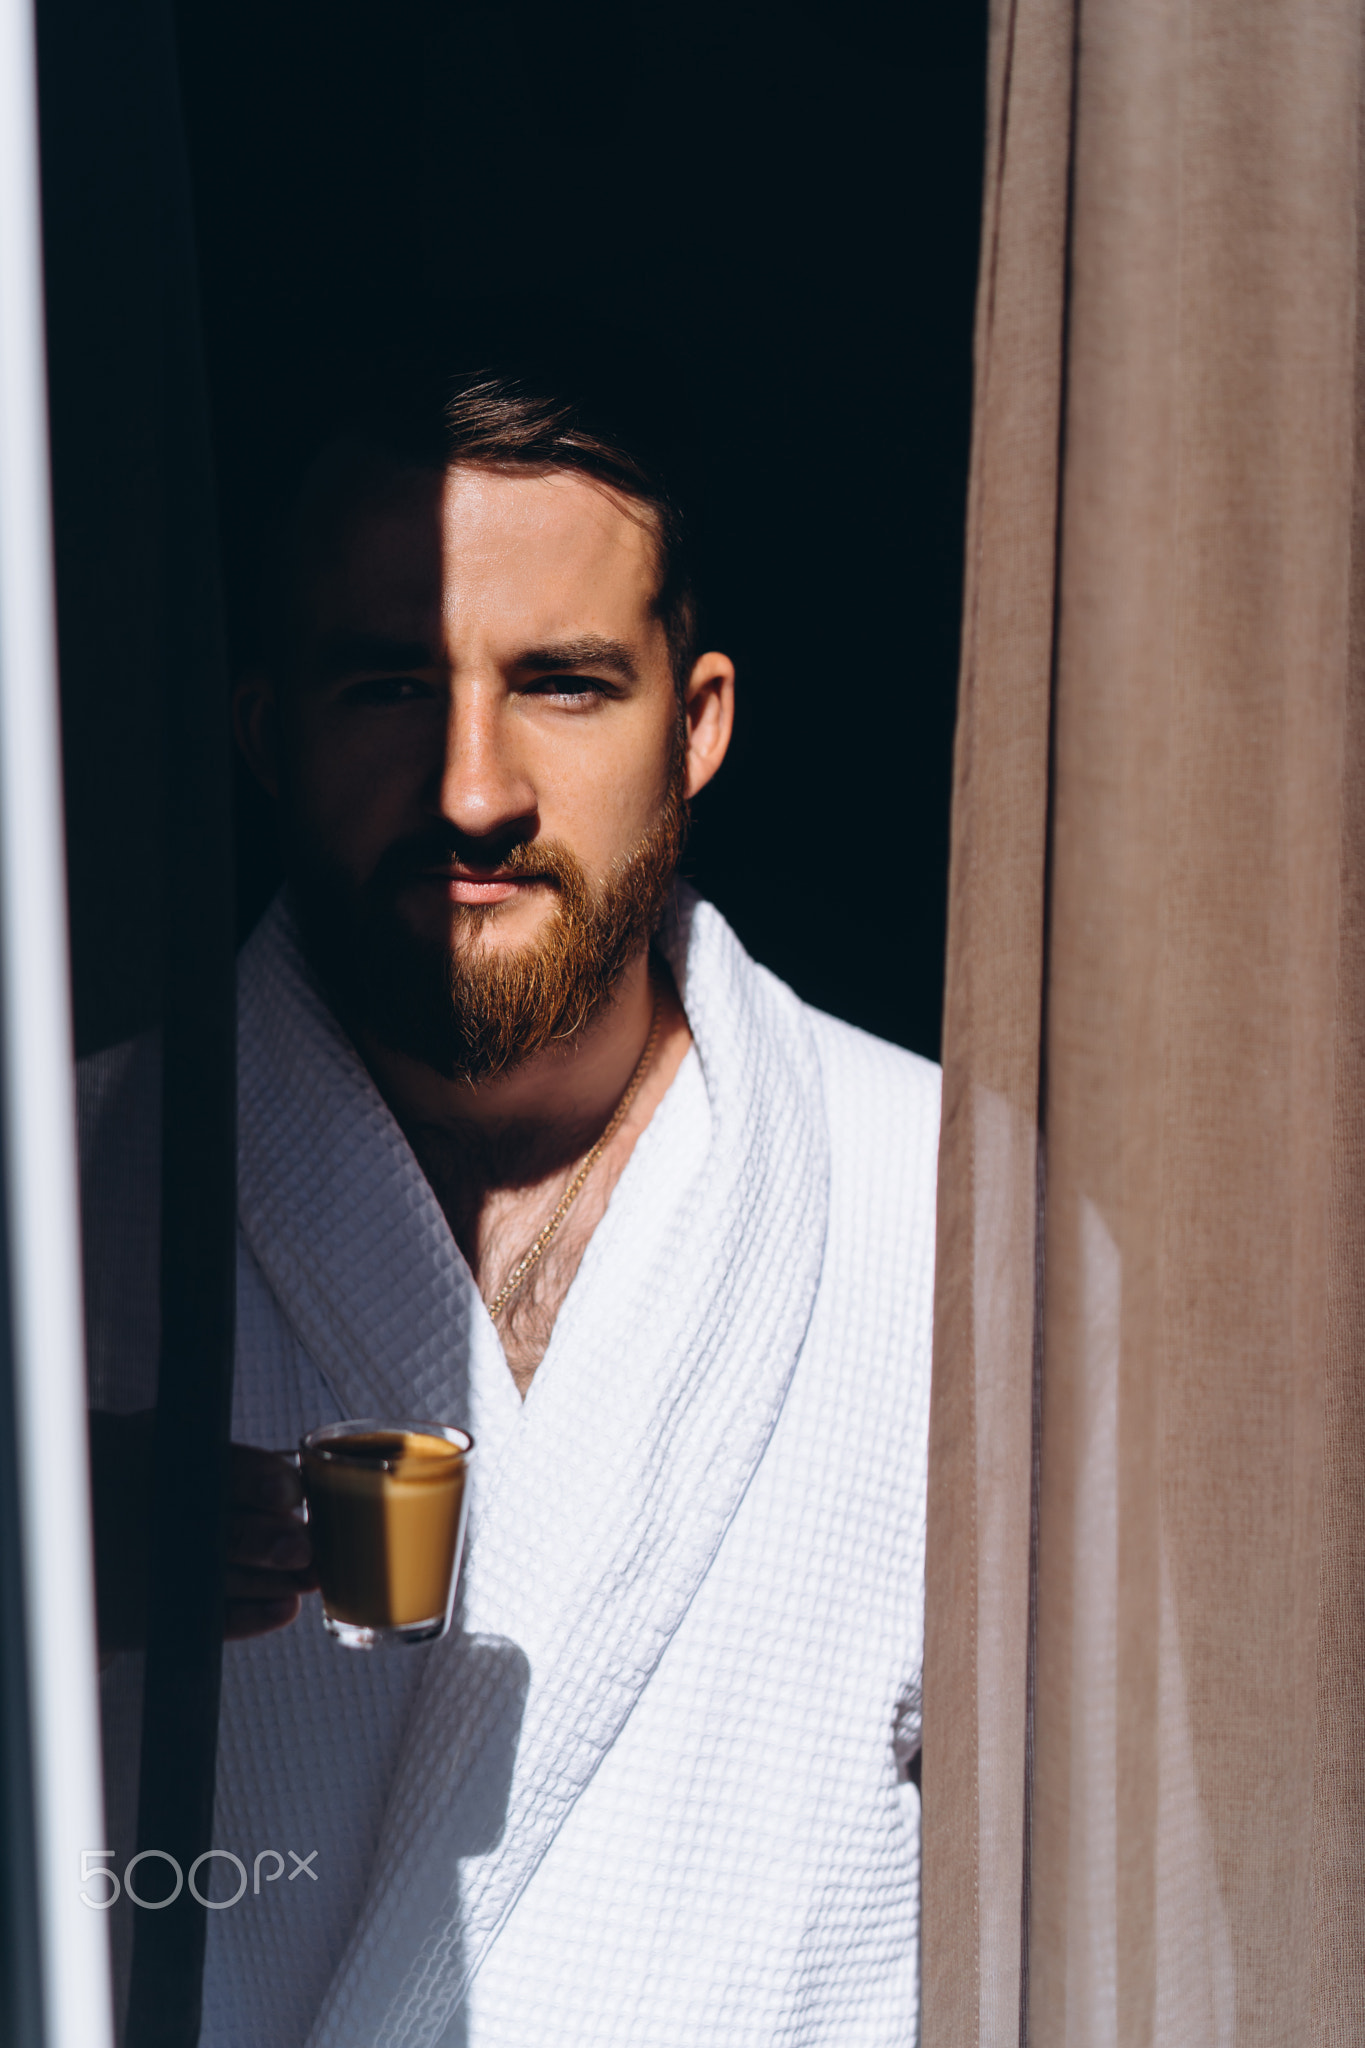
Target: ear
point(709, 707)
point(255, 720)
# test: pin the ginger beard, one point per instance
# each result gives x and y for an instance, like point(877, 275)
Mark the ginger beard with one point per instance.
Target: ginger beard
point(469, 1010)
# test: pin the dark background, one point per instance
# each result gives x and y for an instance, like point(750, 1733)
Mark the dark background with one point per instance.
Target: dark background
point(782, 200)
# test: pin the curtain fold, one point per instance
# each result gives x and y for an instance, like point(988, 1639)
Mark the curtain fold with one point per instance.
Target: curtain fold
point(977, 1618)
point(1143, 1715)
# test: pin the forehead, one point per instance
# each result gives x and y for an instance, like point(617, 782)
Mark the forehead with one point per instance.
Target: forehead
point(533, 555)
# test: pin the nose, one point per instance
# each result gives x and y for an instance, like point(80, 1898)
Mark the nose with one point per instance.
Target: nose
point(484, 789)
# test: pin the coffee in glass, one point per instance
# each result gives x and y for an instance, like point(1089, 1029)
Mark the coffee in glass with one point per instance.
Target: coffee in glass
point(386, 1514)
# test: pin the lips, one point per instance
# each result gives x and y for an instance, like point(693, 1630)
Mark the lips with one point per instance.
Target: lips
point(462, 886)
point(464, 889)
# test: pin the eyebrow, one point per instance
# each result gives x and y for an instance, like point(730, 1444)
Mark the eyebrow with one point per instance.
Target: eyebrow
point(344, 654)
point(350, 654)
point(591, 651)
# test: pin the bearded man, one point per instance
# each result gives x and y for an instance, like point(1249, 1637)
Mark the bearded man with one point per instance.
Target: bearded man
point(529, 1145)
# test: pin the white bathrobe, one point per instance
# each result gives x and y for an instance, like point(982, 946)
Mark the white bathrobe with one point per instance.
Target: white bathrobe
point(647, 1791)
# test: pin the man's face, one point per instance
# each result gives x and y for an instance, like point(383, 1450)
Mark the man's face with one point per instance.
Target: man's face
point(482, 749)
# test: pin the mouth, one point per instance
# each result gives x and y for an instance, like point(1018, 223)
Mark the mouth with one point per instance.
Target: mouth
point(464, 885)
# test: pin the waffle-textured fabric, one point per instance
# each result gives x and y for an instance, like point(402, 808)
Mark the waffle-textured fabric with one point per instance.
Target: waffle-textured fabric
point(647, 1790)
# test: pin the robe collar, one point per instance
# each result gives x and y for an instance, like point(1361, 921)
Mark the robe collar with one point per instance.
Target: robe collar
point(342, 1220)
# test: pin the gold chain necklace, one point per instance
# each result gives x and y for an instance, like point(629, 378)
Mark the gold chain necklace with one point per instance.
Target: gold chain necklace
point(536, 1252)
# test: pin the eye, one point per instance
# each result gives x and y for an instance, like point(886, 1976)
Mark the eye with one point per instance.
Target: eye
point(573, 691)
point(381, 690)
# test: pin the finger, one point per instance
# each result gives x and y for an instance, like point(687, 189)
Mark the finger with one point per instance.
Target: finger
point(263, 1480)
point(276, 1542)
point(246, 1618)
point(245, 1584)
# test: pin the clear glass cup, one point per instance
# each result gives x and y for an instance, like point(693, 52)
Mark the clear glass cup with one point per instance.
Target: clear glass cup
point(386, 1513)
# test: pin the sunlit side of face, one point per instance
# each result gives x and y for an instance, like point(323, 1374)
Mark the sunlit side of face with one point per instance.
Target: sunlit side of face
point(482, 649)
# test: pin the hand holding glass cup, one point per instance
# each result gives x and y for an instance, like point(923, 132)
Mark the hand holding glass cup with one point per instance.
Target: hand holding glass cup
point(386, 1514)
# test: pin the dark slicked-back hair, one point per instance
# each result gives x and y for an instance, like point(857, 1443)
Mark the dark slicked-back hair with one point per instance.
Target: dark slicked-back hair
point(600, 420)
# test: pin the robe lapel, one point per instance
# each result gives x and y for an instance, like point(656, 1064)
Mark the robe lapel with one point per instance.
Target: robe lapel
point(343, 1222)
point(646, 1422)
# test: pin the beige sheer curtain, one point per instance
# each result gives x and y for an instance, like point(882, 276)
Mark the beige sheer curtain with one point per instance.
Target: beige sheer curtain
point(1144, 1768)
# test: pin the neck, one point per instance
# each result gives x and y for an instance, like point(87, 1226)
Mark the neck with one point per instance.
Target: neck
point(514, 1128)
